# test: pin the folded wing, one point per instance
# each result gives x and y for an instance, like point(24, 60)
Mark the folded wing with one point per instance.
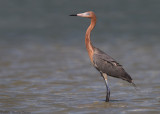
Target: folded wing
point(106, 64)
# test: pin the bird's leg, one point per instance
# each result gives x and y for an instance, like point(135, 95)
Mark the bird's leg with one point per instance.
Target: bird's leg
point(108, 91)
point(107, 87)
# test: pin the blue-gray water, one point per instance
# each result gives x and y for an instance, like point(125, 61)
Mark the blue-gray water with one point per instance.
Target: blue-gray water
point(44, 66)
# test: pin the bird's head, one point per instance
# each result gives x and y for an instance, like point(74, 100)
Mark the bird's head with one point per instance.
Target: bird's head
point(89, 14)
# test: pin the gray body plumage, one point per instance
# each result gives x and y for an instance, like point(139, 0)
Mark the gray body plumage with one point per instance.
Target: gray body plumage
point(106, 64)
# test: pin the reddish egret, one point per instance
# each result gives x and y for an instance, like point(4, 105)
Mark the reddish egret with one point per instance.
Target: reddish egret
point(105, 64)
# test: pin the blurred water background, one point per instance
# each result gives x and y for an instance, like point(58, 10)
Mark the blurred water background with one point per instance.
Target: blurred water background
point(44, 66)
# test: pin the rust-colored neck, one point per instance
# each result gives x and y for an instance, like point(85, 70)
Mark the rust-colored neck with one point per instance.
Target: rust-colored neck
point(87, 38)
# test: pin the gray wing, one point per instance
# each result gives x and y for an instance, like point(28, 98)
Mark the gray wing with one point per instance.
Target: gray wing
point(106, 64)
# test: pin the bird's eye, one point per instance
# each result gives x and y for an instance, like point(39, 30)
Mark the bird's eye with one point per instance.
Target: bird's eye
point(87, 13)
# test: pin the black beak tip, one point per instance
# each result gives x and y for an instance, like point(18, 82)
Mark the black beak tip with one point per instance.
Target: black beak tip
point(73, 15)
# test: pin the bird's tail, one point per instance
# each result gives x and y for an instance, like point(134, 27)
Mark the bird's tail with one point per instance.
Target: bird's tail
point(134, 84)
point(129, 79)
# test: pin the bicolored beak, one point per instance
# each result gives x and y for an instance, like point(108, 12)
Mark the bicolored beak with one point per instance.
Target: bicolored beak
point(86, 14)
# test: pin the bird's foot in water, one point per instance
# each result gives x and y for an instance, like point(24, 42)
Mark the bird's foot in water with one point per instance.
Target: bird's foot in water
point(108, 94)
point(107, 99)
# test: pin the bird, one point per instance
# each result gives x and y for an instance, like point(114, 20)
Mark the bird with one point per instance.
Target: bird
point(105, 64)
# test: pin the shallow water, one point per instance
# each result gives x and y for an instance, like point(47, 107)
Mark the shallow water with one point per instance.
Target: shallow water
point(40, 79)
point(44, 66)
